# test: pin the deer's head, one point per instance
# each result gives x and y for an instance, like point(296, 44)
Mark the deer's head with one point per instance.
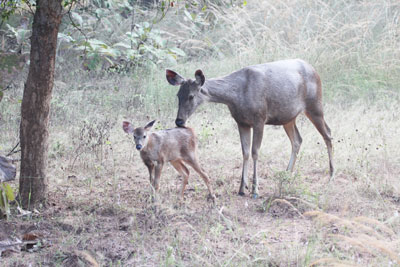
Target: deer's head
point(189, 94)
point(140, 134)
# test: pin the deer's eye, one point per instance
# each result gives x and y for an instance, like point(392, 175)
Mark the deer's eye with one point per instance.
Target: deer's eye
point(191, 97)
point(144, 136)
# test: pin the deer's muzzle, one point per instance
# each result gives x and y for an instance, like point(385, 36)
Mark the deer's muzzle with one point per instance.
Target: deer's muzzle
point(180, 122)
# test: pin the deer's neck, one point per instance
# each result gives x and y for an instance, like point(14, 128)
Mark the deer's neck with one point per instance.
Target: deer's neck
point(219, 90)
point(149, 145)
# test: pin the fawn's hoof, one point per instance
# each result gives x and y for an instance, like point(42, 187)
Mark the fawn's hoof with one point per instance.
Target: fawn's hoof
point(332, 176)
point(241, 193)
point(211, 198)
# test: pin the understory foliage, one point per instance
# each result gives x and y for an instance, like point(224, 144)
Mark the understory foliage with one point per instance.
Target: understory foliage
point(112, 34)
point(353, 44)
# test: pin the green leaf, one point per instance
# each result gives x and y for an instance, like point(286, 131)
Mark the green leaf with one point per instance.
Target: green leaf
point(132, 34)
point(132, 54)
point(9, 192)
point(4, 203)
point(109, 52)
point(1, 95)
point(244, 3)
point(96, 44)
point(178, 51)
point(188, 15)
point(77, 19)
point(146, 24)
point(2, 193)
point(121, 44)
point(64, 37)
point(21, 35)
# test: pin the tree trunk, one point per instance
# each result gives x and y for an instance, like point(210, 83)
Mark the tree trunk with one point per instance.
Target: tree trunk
point(35, 106)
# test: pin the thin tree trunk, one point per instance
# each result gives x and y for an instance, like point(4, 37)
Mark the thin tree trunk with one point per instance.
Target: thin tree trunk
point(35, 106)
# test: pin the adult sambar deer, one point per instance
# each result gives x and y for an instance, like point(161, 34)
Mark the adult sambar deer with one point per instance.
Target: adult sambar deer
point(272, 93)
point(177, 145)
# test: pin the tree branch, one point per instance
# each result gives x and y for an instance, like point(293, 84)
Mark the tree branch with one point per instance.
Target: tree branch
point(79, 29)
point(13, 151)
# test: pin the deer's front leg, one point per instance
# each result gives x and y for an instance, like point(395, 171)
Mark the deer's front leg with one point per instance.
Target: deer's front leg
point(245, 137)
point(157, 174)
point(150, 166)
point(258, 131)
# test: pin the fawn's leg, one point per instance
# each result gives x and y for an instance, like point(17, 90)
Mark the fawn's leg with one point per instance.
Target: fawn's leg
point(181, 168)
point(192, 161)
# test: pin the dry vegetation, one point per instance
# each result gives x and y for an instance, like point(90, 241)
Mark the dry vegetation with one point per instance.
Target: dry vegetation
point(100, 209)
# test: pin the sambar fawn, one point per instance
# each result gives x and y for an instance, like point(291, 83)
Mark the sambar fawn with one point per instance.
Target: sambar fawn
point(177, 145)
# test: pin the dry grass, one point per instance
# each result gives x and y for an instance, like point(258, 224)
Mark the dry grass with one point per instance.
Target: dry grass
point(104, 207)
point(100, 209)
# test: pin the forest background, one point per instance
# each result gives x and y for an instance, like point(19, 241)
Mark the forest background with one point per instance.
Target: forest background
point(110, 67)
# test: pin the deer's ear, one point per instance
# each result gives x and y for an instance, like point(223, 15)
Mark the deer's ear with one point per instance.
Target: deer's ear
point(149, 125)
point(200, 78)
point(127, 126)
point(174, 78)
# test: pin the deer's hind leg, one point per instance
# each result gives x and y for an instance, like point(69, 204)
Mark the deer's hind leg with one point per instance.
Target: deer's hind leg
point(182, 170)
point(245, 139)
point(193, 162)
point(317, 118)
point(258, 131)
point(295, 139)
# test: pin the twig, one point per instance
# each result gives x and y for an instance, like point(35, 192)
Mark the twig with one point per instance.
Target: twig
point(163, 14)
point(30, 7)
point(13, 150)
point(79, 29)
point(10, 244)
point(7, 87)
point(227, 222)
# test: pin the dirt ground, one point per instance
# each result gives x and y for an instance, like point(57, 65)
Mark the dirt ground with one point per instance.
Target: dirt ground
point(100, 210)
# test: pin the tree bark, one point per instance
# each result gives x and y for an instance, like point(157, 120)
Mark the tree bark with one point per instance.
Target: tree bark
point(35, 108)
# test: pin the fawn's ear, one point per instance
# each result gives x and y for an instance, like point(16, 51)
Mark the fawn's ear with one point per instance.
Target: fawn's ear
point(200, 78)
point(149, 125)
point(127, 126)
point(174, 78)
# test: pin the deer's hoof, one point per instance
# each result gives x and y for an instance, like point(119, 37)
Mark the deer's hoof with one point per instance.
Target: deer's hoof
point(254, 195)
point(241, 193)
point(332, 176)
point(211, 197)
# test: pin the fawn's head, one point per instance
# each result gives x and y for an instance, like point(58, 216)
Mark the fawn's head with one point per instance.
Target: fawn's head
point(189, 94)
point(140, 134)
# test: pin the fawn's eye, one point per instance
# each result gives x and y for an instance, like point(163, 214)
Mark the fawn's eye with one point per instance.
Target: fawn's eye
point(191, 97)
point(144, 136)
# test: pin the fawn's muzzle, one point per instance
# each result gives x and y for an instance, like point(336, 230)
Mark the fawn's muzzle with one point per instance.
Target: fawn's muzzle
point(138, 147)
point(180, 122)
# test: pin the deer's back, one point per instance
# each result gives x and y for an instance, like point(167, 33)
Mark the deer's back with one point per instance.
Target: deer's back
point(171, 144)
point(274, 92)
